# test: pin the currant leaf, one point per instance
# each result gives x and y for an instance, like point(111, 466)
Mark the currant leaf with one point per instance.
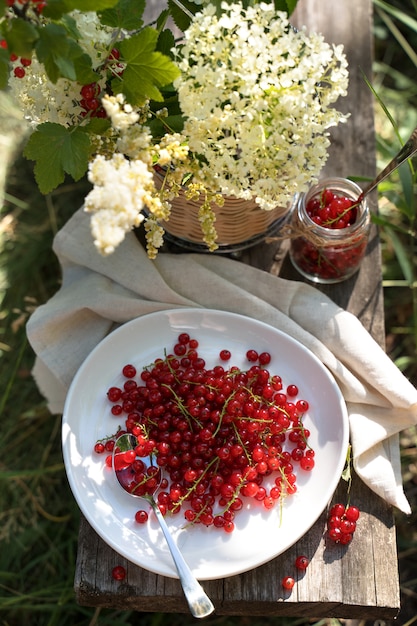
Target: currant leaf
point(97, 126)
point(181, 18)
point(125, 14)
point(62, 56)
point(57, 151)
point(4, 68)
point(56, 8)
point(146, 69)
point(20, 36)
point(166, 42)
point(285, 5)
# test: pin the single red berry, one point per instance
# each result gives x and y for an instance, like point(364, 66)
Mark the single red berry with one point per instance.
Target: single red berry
point(337, 510)
point(118, 572)
point(99, 448)
point(252, 355)
point(301, 562)
point(307, 463)
point(225, 355)
point(288, 582)
point(19, 72)
point(114, 54)
point(292, 390)
point(26, 62)
point(183, 338)
point(264, 358)
point(352, 513)
point(141, 517)
point(129, 371)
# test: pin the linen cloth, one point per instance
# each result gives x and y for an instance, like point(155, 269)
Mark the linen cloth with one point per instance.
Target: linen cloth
point(98, 293)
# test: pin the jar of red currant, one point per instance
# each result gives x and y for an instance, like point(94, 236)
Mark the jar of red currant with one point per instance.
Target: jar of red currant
point(329, 232)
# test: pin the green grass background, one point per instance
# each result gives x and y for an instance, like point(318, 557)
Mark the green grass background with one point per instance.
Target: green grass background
point(38, 515)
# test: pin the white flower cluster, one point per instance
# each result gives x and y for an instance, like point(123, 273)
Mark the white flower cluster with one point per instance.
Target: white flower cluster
point(117, 199)
point(257, 98)
point(124, 185)
point(40, 99)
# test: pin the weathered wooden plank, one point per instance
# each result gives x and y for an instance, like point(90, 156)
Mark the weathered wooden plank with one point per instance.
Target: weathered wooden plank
point(360, 581)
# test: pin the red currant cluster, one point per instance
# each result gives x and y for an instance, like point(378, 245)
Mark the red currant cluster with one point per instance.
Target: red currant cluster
point(301, 564)
point(19, 5)
point(341, 523)
point(332, 210)
point(91, 93)
point(19, 69)
point(218, 433)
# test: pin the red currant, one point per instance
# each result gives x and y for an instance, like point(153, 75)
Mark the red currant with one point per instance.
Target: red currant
point(118, 572)
point(225, 355)
point(129, 371)
point(252, 355)
point(19, 72)
point(141, 517)
point(288, 582)
point(301, 562)
point(352, 513)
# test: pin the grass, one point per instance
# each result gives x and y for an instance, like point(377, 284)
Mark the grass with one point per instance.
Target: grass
point(38, 515)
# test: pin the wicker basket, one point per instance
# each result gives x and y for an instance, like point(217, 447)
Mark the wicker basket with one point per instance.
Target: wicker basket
point(239, 223)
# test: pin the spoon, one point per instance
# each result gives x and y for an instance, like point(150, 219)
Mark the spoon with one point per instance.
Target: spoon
point(123, 456)
point(407, 151)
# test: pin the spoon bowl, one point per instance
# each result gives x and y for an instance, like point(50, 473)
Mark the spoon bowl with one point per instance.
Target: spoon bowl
point(141, 477)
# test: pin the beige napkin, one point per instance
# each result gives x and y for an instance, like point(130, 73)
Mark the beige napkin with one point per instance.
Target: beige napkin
point(99, 293)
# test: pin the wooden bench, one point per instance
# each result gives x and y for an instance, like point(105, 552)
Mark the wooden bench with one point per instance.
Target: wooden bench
point(360, 581)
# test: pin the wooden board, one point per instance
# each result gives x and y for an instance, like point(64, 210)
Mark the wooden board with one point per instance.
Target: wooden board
point(360, 581)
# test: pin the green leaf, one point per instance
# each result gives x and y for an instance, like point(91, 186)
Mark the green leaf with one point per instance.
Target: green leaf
point(166, 41)
point(146, 70)
point(55, 9)
point(20, 36)
point(402, 255)
point(62, 56)
point(90, 5)
point(182, 16)
point(97, 126)
point(57, 151)
point(127, 14)
point(407, 184)
point(285, 5)
point(4, 68)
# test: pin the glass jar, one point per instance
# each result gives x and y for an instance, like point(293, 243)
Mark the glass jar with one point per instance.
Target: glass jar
point(329, 236)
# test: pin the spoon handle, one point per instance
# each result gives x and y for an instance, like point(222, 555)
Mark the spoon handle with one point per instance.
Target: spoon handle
point(407, 151)
point(199, 603)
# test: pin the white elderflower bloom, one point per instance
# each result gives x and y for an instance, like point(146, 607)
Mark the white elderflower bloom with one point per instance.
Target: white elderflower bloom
point(255, 94)
point(41, 101)
point(117, 198)
point(122, 115)
point(95, 38)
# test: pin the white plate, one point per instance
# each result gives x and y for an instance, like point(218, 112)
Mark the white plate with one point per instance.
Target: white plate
point(259, 535)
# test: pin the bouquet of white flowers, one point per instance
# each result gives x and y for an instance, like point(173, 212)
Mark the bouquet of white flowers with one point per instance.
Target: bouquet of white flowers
point(240, 105)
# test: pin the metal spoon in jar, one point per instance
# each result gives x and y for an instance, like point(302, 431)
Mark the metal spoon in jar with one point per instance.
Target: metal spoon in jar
point(123, 458)
point(406, 152)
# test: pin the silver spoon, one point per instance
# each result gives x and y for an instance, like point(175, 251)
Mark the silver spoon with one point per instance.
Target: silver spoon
point(199, 603)
point(407, 151)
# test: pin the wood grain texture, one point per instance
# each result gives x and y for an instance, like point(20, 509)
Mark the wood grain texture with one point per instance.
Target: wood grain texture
point(360, 581)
